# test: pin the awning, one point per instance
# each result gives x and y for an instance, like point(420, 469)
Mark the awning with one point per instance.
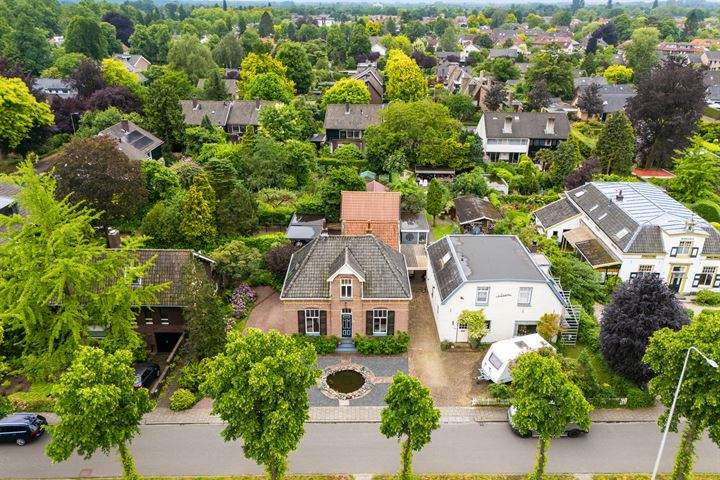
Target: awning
point(590, 247)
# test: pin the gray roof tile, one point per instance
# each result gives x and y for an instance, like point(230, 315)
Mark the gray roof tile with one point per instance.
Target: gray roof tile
point(526, 125)
point(352, 117)
point(556, 212)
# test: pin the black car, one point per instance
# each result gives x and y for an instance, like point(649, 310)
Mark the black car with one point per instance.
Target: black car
point(22, 427)
point(145, 374)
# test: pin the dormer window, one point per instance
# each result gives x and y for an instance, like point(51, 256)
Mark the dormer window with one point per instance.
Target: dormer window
point(137, 281)
point(346, 288)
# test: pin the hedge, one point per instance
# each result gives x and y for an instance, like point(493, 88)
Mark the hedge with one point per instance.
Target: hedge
point(182, 399)
point(707, 209)
point(708, 298)
point(193, 374)
point(265, 242)
point(323, 345)
point(329, 162)
point(390, 345)
point(712, 113)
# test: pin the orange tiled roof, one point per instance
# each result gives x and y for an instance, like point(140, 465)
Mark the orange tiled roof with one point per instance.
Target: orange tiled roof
point(370, 206)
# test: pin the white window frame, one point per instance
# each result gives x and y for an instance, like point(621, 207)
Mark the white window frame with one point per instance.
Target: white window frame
point(709, 274)
point(684, 247)
point(643, 269)
point(479, 302)
point(380, 321)
point(312, 321)
point(520, 323)
point(137, 281)
point(529, 292)
point(345, 288)
point(350, 134)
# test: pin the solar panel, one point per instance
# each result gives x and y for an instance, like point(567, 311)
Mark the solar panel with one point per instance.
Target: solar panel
point(142, 143)
point(133, 136)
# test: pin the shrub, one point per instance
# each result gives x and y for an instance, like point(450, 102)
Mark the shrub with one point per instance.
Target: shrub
point(501, 391)
point(445, 345)
point(182, 399)
point(21, 402)
point(707, 209)
point(265, 242)
point(390, 345)
point(708, 298)
point(277, 259)
point(589, 332)
point(323, 345)
point(637, 398)
point(193, 375)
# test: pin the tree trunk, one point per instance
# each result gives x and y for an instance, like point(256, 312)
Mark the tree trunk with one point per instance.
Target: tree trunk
point(406, 454)
point(686, 452)
point(273, 470)
point(541, 458)
point(433, 220)
point(128, 464)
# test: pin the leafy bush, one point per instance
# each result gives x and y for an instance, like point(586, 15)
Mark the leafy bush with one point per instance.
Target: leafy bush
point(707, 209)
point(708, 298)
point(23, 402)
point(193, 375)
point(323, 345)
point(589, 332)
point(182, 399)
point(501, 391)
point(329, 163)
point(390, 345)
point(265, 242)
point(445, 345)
point(277, 259)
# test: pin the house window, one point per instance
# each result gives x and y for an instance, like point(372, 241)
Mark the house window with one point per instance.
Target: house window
point(482, 296)
point(312, 321)
point(346, 288)
point(164, 320)
point(351, 134)
point(422, 237)
point(148, 318)
point(707, 276)
point(96, 331)
point(645, 269)
point(380, 322)
point(137, 281)
point(488, 324)
point(684, 247)
point(525, 328)
point(525, 296)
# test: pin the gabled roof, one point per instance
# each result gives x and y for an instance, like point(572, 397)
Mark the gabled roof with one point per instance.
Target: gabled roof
point(503, 53)
point(195, 110)
point(134, 141)
point(245, 112)
point(556, 212)
point(230, 85)
point(375, 186)
point(471, 208)
point(385, 272)
point(346, 259)
point(352, 116)
point(587, 81)
point(370, 206)
point(526, 125)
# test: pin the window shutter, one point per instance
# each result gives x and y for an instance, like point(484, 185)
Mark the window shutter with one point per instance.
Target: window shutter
point(716, 284)
point(696, 280)
point(673, 251)
point(391, 323)
point(323, 322)
point(369, 323)
point(301, 321)
point(694, 252)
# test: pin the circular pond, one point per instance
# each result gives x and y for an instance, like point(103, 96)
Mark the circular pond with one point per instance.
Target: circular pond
point(345, 381)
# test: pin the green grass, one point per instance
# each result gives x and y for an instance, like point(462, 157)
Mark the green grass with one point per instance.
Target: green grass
point(712, 113)
point(604, 375)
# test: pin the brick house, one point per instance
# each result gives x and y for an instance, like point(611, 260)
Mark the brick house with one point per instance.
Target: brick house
point(346, 285)
point(377, 213)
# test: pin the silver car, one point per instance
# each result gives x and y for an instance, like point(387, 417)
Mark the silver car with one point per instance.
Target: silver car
point(572, 430)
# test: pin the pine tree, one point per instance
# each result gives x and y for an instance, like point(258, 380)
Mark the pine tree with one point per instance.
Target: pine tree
point(214, 87)
point(204, 314)
point(616, 146)
point(435, 198)
point(248, 138)
point(198, 222)
point(236, 212)
point(265, 29)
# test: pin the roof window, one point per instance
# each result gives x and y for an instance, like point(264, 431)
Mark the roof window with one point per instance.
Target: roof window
point(622, 233)
point(580, 193)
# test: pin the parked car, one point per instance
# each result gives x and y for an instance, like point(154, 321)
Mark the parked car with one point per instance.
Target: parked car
point(22, 427)
point(145, 374)
point(572, 430)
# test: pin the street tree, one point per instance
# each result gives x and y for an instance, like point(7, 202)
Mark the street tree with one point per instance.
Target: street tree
point(338, 180)
point(546, 400)
point(204, 313)
point(346, 90)
point(639, 308)
point(294, 56)
point(495, 97)
point(641, 53)
point(697, 173)
point(405, 81)
point(616, 145)
point(84, 35)
point(668, 104)
point(435, 198)
point(590, 102)
point(697, 399)
point(187, 54)
point(94, 171)
point(99, 408)
point(20, 112)
point(410, 413)
point(259, 387)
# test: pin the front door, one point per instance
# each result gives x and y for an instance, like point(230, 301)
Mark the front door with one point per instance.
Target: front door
point(676, 277)
point(462, 333)
point(346, 320)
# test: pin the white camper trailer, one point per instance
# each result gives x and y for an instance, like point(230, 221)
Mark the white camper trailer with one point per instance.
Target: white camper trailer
point(496, 364)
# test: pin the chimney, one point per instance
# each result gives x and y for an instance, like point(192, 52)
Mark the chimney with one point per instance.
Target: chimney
point(533, 247)
point(113, 239)
point(464, 80)
point(196, 104)
point(347, 108)
point(257, 104)
point(507, 126)
point(125, 125)
point(619, 196)
point(550, 126)
point(369, 228)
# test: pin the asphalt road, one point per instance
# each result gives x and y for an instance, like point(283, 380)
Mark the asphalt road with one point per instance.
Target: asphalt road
point(194, 450)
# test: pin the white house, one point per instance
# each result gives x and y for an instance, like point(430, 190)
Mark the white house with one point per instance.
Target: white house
point(467, 49)
point(635, 228)
point(497, 274)
point(507, 135)
point(376, 46)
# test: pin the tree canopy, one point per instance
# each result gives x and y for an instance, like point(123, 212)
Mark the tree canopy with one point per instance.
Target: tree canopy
point(346, 90)
point(405, 81)
point(20, 112)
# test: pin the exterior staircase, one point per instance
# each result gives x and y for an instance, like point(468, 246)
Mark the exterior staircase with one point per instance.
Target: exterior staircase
point(572, 316)
point(345, 345)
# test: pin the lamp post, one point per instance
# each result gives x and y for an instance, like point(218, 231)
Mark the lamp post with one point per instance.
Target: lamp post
point(710, 362)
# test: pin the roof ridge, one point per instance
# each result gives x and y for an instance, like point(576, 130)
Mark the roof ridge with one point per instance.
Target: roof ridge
point(313, 244)
point(393, 268)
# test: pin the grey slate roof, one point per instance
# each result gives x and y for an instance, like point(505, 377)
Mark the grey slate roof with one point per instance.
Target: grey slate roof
point(647, 240)
point(526, 125)
point(55, 86)
point(230, 86)
point(586, 81)
point(384, 269)
point(480, 258)
point(245, 112)
point(503, 53)
point(471, 207)
point(135, 142)
point(195, 110)
point(352, 117)
point(556, 212)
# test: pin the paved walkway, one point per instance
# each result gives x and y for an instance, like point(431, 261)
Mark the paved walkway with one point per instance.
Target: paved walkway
point(267, 314)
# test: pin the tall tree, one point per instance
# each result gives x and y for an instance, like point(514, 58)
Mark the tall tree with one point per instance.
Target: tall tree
point(359, 43)
point(214, 87)
point(99, 408)
point(73, 273)
point(556, 68)
point(258, 64)
point(299, 69)
point(692, 23)
point(410, 413)
point(259, 387)
point(265, 29)
point(337, 45)
point(495, 97)
point(338, 180)
point(187, 54)
point(435, 198)
point(163, 113)
point(405, 81)
point(616, 145)
point(697, 399)
point(590, 102)
point(84, 35)
point(668, 104)
point(564, 161)
point(20, 112)
point(639, 308)
point(124, 26)
point(93, 170)
point(204, 313)
point(539, 96)
point(697, 173)
point(198, 220)
point(152, 41)
point(229, 52)
point(546, 400)
point(459, 105)
point(641, 53)
point(346, 90)
point(27, 44)
point(87, 78)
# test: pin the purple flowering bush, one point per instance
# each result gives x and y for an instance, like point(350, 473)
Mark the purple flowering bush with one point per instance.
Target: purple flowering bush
point(241, 302)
